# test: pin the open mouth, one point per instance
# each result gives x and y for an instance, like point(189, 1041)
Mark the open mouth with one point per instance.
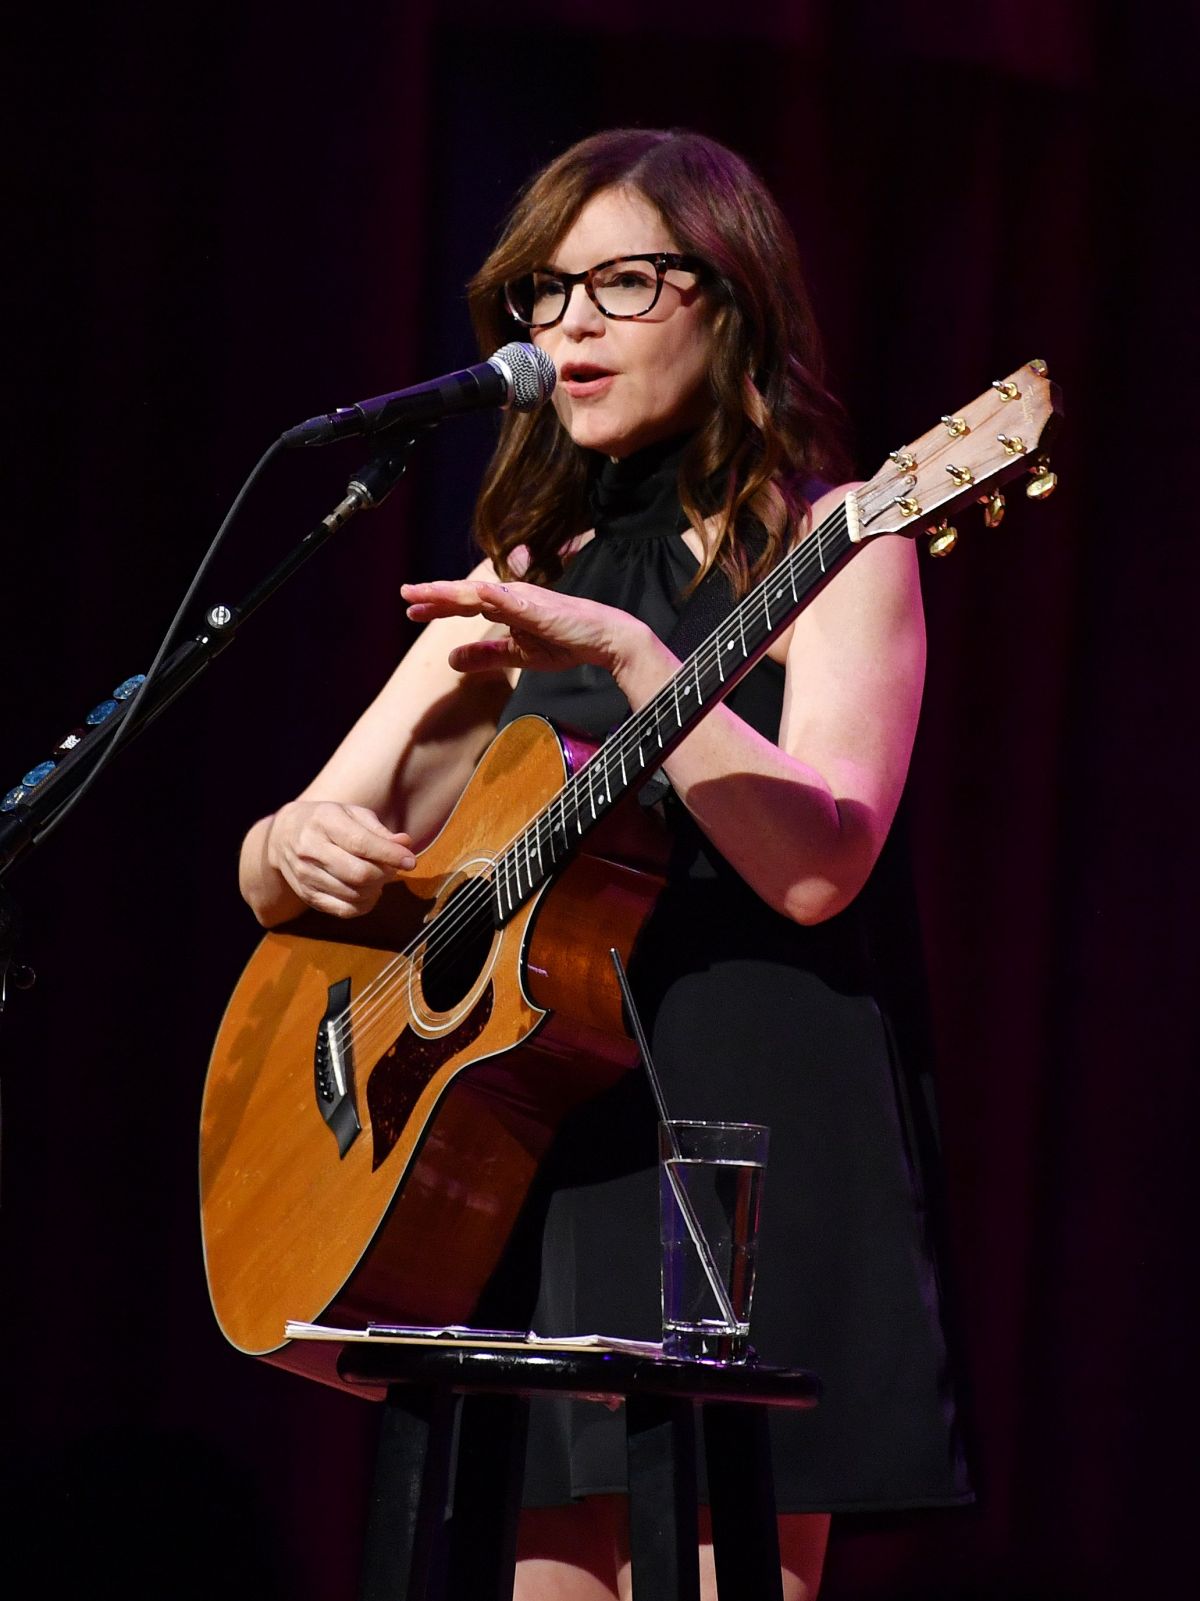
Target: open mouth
point(584, 377)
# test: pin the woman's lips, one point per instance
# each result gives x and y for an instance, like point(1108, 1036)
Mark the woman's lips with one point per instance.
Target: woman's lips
point(582, 383)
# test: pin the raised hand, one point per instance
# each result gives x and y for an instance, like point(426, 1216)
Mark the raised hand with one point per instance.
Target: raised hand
point(543, 630)
point(336, 858)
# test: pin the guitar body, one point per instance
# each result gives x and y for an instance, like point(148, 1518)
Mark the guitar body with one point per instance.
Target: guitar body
point(380, 1178)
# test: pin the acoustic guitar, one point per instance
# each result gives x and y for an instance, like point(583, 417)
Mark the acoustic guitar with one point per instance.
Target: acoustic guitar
point(382, 1090)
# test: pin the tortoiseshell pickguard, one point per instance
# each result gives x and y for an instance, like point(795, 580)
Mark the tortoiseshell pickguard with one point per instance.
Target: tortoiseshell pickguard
point(398, 1079)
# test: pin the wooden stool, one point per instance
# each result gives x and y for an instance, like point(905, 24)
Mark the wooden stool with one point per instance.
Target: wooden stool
point(447, 1489)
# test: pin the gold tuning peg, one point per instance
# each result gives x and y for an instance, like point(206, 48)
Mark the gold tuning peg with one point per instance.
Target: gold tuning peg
point(1043, 482)
point(942, 540)
point(993, 509)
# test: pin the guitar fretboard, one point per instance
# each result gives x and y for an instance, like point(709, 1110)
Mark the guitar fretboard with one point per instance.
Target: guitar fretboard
point(646, 738)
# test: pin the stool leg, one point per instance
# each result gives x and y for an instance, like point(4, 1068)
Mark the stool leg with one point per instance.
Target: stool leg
point(663, 1529)
point(741, 1493)
point(404, 1550)
point(488, 1480)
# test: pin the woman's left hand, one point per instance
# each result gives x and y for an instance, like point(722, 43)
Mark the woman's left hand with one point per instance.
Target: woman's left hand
point(542, 630)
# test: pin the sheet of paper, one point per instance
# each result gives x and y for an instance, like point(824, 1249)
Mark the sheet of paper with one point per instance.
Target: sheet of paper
point(450, 1332)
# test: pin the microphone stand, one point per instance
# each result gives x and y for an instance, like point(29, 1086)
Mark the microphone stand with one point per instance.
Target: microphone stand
point(35, 808)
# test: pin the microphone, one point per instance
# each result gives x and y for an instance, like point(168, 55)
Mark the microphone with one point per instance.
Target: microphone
point(521, 376)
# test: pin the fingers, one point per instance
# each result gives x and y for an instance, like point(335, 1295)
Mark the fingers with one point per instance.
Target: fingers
point(336, 858)
point(364, 835)
point(467, 598)
point(486, 655)
point(326, 893)
point(548, 630)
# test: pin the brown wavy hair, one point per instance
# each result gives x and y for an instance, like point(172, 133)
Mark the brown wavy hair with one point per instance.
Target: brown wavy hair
point(773, 426)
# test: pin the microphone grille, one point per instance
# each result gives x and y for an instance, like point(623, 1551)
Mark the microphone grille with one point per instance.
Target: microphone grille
point(533, 374)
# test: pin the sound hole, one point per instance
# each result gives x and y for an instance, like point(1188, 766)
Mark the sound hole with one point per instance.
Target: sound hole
point(456, 947)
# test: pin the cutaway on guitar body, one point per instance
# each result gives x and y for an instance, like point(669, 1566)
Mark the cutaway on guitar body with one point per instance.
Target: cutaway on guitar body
point(382, 1089)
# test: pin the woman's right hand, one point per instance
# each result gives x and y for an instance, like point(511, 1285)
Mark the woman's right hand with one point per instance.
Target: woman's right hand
point(336, 858)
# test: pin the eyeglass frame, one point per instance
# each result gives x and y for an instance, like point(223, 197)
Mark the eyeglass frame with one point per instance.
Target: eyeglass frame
point(663, 262)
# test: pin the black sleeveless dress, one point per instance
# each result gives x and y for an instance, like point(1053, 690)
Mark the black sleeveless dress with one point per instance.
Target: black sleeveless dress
point(751, 1018)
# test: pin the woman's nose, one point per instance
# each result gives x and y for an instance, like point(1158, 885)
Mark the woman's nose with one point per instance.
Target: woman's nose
point(581, 316)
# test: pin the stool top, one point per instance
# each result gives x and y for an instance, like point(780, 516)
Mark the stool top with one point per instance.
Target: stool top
point(588, 1374)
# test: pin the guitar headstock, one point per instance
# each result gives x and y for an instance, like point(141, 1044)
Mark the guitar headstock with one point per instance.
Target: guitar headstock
point(964, 459)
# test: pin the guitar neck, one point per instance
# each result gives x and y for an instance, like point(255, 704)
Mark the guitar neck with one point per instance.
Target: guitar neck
point(648, 736)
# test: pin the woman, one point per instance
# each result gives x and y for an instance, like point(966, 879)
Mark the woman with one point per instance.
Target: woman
point(688, 431)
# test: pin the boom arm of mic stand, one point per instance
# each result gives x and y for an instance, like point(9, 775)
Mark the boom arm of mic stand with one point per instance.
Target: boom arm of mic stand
point(22, 827)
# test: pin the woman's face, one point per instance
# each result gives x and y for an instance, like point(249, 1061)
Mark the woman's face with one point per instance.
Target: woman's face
point(623, 385)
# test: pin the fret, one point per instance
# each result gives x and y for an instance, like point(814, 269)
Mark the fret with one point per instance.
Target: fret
point(558, 848)
point(513, 858)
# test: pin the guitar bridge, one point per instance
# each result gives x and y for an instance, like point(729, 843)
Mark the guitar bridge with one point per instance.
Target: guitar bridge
point(333, 1068)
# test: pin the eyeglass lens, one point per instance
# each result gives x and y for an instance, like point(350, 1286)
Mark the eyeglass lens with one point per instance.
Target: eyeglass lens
point(624, 288)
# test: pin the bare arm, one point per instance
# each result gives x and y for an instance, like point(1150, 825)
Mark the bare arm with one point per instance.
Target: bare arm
point(802, 820)
point(390, 783)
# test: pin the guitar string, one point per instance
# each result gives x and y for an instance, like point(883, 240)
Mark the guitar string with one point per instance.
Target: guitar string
point(364, 1011)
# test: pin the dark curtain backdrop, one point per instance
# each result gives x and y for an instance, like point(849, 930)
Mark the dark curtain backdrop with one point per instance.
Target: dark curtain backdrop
point(224, 218)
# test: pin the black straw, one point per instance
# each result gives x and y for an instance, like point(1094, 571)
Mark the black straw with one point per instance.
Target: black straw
point(682, 1198)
